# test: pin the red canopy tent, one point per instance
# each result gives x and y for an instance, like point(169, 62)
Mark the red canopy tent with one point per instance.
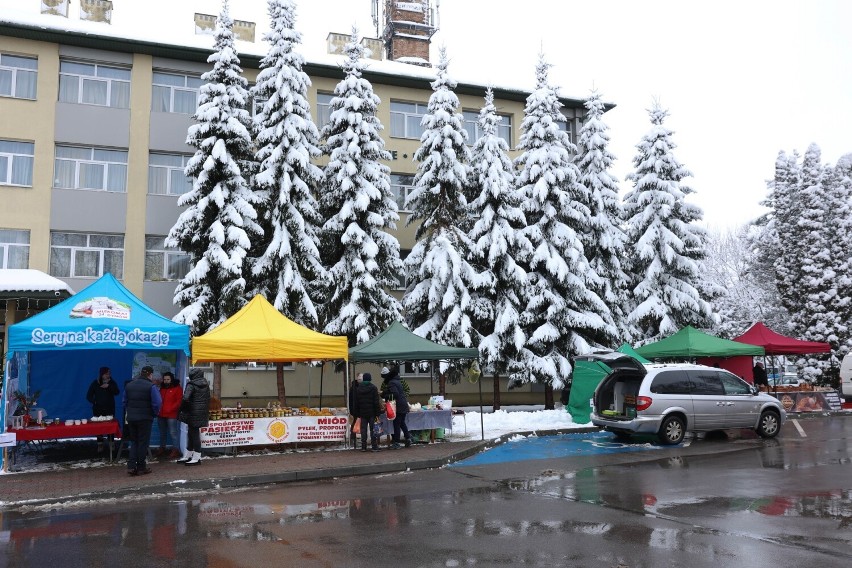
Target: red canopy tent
point(775, 344)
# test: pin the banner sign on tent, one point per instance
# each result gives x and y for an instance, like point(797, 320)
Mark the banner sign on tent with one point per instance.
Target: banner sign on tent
point(264, 431)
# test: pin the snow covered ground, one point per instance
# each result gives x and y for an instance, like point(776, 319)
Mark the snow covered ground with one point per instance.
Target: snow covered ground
point(508, 420)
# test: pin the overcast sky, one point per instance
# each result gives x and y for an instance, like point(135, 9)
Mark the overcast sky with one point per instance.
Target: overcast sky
point(741, 79)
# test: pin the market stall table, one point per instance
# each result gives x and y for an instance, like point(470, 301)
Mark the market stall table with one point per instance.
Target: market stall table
point(109, 428)
point(422, 420)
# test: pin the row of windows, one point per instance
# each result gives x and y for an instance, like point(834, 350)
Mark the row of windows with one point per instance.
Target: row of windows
point(91, 255)
point(104, 85)
point(106, 170)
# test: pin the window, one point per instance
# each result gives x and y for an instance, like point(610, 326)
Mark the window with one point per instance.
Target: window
point(16, 163)
point(90, 168)
point(402, 277)
point(733, 384)
point(415, 369)
point(81, 255)
point(257, 104)
point(14, 248)
point(92, 84)
point(706, 382)
point(162, 262)
point(175, 93)
point(323, 109)
point(670, 382)
point(566, 125)
point(18, 76)
point(166, 174)
point(474, 131)
point(401, 186)
point(405, 119)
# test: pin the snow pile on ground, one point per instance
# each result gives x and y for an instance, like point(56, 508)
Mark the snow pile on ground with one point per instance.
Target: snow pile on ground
point(500, 422)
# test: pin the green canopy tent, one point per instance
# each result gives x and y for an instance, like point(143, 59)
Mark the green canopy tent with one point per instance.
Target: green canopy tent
point(627, 350)
point(397, 343)
point(589, 371)
point(689, 343)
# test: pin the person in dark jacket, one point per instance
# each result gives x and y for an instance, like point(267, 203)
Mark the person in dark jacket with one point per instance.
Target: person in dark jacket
point(397, 392)
point(195, 413)
point(367, 406)
point(101, 395)
point(761, 379)
point(352, 390)
point(141, 405)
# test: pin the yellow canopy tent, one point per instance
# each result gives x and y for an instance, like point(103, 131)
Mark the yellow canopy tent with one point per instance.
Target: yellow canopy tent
point(259, 332)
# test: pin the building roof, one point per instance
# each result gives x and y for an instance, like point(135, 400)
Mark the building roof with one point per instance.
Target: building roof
point(168, 38)
point(26, 282)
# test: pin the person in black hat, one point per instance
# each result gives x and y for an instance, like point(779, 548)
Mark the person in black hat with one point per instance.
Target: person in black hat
point(367, 407)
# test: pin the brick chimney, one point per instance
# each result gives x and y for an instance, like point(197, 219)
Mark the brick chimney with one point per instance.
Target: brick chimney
point(409, 27)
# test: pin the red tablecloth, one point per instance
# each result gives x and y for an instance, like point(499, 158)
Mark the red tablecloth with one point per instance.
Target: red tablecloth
point(63, 431)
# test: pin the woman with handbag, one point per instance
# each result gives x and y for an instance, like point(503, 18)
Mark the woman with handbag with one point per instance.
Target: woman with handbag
point(195, 413)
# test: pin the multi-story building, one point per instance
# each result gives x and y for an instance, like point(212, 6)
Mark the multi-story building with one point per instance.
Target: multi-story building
point(93, 124)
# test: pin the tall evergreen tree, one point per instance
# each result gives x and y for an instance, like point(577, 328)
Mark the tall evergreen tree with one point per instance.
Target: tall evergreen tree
point(782, 245)
point(438, 302)
point(604, 241)
point(825, 255)
point(287, 267)
point(219, 222)
point(498, 242)
point(663, 239)
point(562, 316)
point(362, 257)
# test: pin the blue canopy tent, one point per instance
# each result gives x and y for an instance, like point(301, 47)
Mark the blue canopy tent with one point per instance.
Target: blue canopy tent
point(60, 350)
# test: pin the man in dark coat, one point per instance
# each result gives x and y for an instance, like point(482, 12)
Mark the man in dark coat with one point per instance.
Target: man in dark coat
point(397, 392)
point(367, 406)
point(760, 376)
point(142, 403)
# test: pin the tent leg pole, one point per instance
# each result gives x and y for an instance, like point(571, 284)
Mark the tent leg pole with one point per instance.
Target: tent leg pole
point(322, 371)
point(481, 417)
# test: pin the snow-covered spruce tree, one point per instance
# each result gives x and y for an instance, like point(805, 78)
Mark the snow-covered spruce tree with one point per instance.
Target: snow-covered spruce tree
point(361, 256)
point(562, 316)
point(287, 266)
point(825, 209)
point(437, 302)
point(786, 210)
point(498, 242)
point(663, 240)
point(219, 222)
point(603, 243)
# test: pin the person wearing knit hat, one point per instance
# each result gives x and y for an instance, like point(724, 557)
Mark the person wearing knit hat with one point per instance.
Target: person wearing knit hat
point(101, 395)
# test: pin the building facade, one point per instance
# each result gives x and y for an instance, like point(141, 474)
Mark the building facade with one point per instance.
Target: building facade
point(92, 148)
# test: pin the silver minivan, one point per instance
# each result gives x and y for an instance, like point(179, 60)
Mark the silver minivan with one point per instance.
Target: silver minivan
point(671, 399)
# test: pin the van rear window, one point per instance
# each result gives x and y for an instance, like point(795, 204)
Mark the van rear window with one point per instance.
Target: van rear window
point(670, 382)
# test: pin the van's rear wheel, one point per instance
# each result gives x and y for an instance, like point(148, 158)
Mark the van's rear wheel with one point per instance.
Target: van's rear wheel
point(672, 430)
point(769, 425)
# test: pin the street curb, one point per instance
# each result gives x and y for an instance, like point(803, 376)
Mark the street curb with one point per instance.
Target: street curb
point(256, 480)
